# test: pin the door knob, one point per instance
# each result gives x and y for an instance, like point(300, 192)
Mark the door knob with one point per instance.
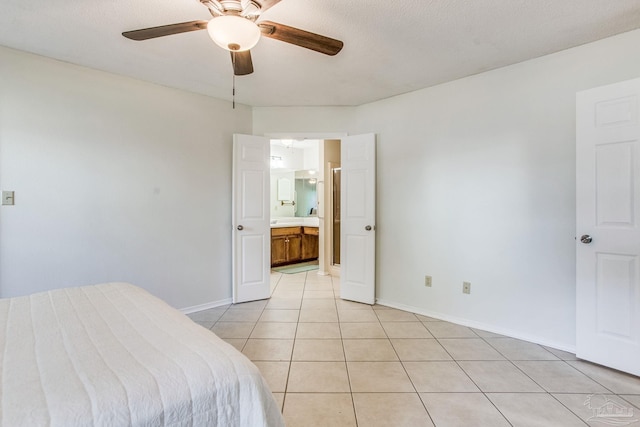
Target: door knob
point(586, 239)
point(240, 228)
point(368, 228)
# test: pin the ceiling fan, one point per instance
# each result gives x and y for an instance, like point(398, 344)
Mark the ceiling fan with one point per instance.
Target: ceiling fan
point(235, 29)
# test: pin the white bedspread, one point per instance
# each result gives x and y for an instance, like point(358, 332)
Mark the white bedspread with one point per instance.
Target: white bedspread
point(114, 355)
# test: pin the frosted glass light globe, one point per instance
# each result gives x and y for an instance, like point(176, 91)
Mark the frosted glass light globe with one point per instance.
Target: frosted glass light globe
point(233, 33)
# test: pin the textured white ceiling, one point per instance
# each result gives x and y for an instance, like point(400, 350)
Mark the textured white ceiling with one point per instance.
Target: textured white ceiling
point(391, 46)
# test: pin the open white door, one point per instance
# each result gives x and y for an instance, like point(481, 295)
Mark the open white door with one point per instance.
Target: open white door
point(608, 216)
point(250, 218)
point(358, 218)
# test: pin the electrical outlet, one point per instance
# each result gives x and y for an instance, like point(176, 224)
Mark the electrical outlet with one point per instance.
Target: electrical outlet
point(427, 281)
point(466, 287)
point(8, 198)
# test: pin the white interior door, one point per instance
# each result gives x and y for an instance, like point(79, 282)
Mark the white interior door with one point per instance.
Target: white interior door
point(358, 218)
point(608, 216)
point(250, 218)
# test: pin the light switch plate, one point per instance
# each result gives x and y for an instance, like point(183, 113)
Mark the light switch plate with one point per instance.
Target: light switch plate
point(466, 287)
point(8, 198)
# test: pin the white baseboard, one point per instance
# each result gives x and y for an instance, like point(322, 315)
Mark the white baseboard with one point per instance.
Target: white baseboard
point(478, 325)
point(200, 307)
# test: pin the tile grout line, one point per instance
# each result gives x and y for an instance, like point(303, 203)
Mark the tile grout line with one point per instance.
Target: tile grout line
point(404, 368)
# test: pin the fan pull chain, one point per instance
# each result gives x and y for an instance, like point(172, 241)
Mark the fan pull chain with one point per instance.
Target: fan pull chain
point(233, 91)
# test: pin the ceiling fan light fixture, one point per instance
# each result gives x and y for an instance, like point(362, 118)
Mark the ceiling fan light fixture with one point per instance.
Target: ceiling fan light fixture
point(233, 33)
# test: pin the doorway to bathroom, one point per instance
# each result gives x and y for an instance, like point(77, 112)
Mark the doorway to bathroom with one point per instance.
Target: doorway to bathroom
point(252, 246)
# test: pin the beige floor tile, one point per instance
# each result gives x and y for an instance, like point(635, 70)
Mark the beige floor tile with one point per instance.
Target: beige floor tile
point(275, 373)
point(279, 398)
point(233, 329)
point(318, 330)
point(318, 286)
point(486, 334)
point(390, 409)
point(634, 399)
point(207, 324)
point(357, 316)
point(319, 410)
point(589, 407)
point(314, 315)
point(470, 349)
point(210, 315)
point(533, 410)
point(297, 286)
point(319, 303)
point(419, 349)
point(377, 377)
point(251, 305)
point(296, 277)
point(426, 318)
point(559, 377)
point(274, 330)
point(499, 376)
point(319, 294)
point(267, 349)
point(561, 354)
point(241, 315)
point(284, 303)
point(449, 330)
point(434, 377)
point(318, 377)
point(238, 343)
point(285, 294)
point(616, 381)
point(362, 330)
point(514, 349)
point(462, 410)
point(351, 305)
point(363, 350)
point(396, 316)
point(280, 316)
point(381, 307)
point(406, 330)
point(314, 277)
point(318, 350)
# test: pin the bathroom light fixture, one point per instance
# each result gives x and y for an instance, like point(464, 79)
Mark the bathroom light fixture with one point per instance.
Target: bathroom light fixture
point(312, 171)
point(276, 162)
point(233, 33)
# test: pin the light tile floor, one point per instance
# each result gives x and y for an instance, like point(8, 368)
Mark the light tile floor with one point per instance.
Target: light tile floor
point(335, 363)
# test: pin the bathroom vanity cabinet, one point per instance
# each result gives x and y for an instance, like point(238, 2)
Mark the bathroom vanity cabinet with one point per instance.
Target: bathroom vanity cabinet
point(293, 244)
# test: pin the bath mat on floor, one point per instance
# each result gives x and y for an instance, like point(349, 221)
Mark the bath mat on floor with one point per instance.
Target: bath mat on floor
point(297, 268)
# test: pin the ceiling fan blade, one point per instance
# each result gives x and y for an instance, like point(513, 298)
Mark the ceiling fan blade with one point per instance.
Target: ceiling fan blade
point(301, 38)
point(242, 64)
point(267, 4)
point(165, 30)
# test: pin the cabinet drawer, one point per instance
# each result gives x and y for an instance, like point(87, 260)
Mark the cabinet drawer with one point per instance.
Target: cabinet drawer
point(311, 230)
point(285, 231)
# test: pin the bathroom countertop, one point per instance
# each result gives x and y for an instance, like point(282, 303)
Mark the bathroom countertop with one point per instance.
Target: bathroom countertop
point(312, 221)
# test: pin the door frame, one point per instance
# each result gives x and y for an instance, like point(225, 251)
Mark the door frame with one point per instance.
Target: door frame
point(322, 227)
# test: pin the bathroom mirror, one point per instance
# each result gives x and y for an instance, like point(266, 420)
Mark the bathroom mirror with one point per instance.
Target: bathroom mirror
point(284, 190)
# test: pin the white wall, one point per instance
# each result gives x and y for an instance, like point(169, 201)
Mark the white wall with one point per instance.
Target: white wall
point(476, 182)
point(303, 120)
point(115, 180)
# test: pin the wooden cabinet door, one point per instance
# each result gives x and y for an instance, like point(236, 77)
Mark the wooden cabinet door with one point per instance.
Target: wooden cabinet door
point(278, 250)
point(309, 246)
point(294, 247)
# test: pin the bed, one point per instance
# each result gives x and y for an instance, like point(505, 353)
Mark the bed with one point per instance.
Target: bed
point(114, 355)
